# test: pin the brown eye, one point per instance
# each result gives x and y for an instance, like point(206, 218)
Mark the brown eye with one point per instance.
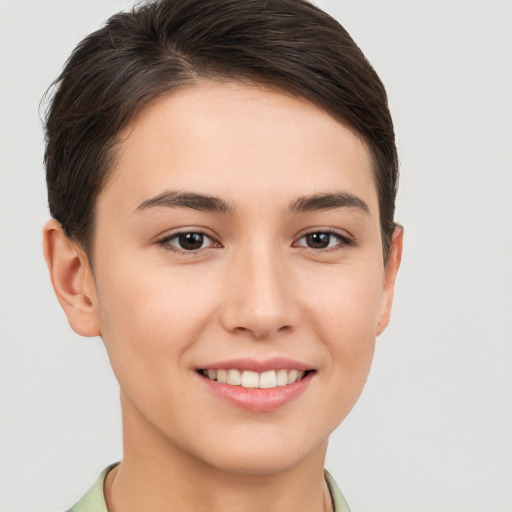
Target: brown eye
point(190, 241)
point(318, 240)
point(323, 240)
point(187, 241)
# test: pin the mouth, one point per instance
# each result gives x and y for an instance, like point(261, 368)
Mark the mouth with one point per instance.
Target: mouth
point(255, 380)
point(257, 385)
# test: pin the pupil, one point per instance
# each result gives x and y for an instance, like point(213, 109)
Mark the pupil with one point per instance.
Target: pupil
point(318, 240)
point(191, 241)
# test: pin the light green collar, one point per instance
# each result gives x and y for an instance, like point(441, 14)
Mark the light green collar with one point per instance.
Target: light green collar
point(94, 499)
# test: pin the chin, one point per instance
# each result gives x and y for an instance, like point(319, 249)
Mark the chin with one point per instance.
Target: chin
point(262, 454)
point(261, 463)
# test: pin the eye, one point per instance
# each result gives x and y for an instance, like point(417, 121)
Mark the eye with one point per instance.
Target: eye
point(188, 241)
point(322, 240)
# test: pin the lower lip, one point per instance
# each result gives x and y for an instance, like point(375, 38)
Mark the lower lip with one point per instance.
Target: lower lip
point(256, 399)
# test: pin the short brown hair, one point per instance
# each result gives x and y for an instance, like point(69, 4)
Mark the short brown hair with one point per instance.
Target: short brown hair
point(164, 45)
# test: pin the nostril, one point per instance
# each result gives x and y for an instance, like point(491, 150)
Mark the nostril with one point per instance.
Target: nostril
point(255, 318)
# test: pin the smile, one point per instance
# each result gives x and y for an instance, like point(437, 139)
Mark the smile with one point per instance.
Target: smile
point(257, 385)
point(251, 379)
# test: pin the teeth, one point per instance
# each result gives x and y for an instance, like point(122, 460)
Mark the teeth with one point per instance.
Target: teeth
point(249, 379)
point(234, 378)
point(292, 376)
point(282, 377)
point(268, 380)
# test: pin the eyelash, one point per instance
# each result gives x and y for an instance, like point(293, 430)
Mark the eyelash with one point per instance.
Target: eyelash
point(342, 241)
point(165, 242)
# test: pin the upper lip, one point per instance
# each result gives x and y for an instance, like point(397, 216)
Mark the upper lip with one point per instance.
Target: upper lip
point(255, 365)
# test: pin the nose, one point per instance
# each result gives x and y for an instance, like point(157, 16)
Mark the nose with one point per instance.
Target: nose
point(259, 296)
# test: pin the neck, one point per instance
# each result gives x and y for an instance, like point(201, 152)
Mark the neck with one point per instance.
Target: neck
point(155, 475)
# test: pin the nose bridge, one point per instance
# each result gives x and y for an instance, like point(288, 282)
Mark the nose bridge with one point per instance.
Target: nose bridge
point(260, 298)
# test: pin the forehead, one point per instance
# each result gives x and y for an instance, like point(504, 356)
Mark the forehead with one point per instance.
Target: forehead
point(237, 140)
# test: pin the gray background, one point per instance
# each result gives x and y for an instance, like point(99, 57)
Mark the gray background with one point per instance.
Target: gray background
point(433, 429)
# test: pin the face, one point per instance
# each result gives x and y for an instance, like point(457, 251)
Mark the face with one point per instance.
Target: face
point(238, 276)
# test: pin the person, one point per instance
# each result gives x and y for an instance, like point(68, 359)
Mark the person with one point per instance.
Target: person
point(222, 178)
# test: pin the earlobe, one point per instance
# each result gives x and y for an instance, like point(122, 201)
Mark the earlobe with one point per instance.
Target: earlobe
point(72, 280)
point(391, 271)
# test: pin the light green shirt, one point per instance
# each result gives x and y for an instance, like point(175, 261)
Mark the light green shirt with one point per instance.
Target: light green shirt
point(94, 499)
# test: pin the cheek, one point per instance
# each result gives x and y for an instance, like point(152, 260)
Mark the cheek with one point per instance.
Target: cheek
point(344, 310)
point(346, 301)
point(150, 315)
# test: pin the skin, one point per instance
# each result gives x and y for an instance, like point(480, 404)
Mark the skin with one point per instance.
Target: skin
point(255, 289)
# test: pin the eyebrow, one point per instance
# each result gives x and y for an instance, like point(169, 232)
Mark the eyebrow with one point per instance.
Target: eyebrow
point(328, 202)
point(195, 201)
point(191, 200)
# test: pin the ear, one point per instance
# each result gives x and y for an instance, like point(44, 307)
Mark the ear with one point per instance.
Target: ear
point(72, 280)
point(391, 270)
